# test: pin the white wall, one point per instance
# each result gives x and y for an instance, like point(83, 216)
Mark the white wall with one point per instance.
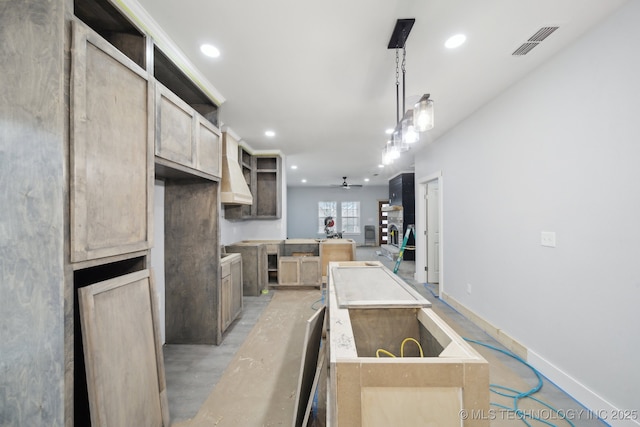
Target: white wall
point(559, 151)
point(303, 208)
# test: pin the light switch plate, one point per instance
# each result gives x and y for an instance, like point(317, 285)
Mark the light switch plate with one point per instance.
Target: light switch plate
point(548, 238)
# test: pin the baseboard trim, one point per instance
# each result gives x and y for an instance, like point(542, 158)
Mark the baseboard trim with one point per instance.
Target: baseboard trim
point(594, 404)
point(496, 333)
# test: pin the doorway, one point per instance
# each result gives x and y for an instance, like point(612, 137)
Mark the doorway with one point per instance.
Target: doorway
point(429, 254)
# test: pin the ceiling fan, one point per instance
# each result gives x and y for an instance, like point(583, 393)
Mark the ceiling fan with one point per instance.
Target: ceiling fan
point(346, 185)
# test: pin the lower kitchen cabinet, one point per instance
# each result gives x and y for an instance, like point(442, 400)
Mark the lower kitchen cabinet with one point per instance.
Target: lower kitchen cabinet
point(254, 265)
point(230, 289)
point(299, 271)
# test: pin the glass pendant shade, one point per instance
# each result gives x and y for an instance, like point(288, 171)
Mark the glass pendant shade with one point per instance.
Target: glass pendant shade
point(423, 114)
point(409, 133)
point(397, 141)
point(390, 153)
point(386, 159)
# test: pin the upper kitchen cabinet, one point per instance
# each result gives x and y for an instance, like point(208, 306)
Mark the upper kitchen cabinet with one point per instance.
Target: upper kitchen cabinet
point(105, 19)
point(208, 147)
point(111, 174)
point(263, 175)
point(268, 182)
point(251, 183)
point(186, 134)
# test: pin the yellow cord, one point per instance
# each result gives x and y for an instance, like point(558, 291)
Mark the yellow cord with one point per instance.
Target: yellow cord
point(410, 339)
point(383, 351)
point(388, 353)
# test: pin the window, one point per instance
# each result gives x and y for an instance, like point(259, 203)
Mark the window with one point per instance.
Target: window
point(326, 209)
point(350, 212)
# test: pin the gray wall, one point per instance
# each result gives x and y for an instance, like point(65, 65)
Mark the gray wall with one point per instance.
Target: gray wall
point(31, 219)
point(559, 151)
point(302, 208)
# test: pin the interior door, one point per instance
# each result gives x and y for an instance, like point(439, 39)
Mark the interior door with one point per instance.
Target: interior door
point(383, 223)
point(433, 233)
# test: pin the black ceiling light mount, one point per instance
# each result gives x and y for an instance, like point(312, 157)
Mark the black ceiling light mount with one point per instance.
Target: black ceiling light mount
point(400, 33)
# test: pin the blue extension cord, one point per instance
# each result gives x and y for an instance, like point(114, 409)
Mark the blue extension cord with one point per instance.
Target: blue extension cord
point(517, 395)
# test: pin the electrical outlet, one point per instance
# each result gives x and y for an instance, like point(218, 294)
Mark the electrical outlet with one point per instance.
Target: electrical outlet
point(469, 288)
point(548, 238)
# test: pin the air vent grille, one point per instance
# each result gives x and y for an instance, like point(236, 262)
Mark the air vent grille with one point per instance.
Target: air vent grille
point(542, 34)
point(524, 49)
point(534, 41)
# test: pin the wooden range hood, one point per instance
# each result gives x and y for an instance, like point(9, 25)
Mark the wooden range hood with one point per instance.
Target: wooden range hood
point(234, 189)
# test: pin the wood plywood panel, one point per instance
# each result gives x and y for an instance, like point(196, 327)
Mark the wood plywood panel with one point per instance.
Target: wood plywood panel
point(288, 270)
point(310, 271)
point(123, 354)
point(208, 147)
point(336, 250)
point(236, 288)
point(411, 407)
point(308, 365)
point(373, 286)
point(267, 193)
point(225, 302)
point(36, 368)
point(386, 329)
point(175, 128)
point(254, 266)
point(111, 150)
point(192, 263)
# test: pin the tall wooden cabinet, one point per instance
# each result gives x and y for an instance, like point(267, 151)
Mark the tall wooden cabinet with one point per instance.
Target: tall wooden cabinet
point(111, 158)
point(135, 117)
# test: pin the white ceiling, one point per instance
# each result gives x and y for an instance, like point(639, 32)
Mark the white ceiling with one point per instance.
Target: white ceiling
point(320, 75)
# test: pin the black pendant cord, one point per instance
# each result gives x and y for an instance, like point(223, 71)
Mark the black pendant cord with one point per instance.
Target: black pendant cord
point(404, 72)
point(397, 88)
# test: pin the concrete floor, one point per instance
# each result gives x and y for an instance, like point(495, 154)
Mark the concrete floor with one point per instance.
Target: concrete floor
point(192, 371)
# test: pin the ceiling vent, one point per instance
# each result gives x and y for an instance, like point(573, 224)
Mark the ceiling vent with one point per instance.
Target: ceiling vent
point(534, 41)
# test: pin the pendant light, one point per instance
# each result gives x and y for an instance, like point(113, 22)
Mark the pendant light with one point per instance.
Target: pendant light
point(409, 133)
point(413, 121)
point(423, 114)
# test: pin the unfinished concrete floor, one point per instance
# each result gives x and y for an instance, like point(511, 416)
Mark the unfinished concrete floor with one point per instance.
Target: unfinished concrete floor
point(229, 385)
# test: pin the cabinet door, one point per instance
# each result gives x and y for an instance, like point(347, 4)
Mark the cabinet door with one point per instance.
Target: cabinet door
point(310, 271)
point(289, 270)
point(123, 353)
point(225, 302)
point(208, 147)
point(175, 128)
point(111, 174)
point(236, 289)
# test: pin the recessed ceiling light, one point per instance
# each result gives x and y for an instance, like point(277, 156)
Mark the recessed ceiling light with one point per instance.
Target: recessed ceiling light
point(455, 41)
point(270, 133)
point(304, 180)
point(366, 180)
point(210, 50)
point(294, 167)
point(388, 131)
point(380, 166)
